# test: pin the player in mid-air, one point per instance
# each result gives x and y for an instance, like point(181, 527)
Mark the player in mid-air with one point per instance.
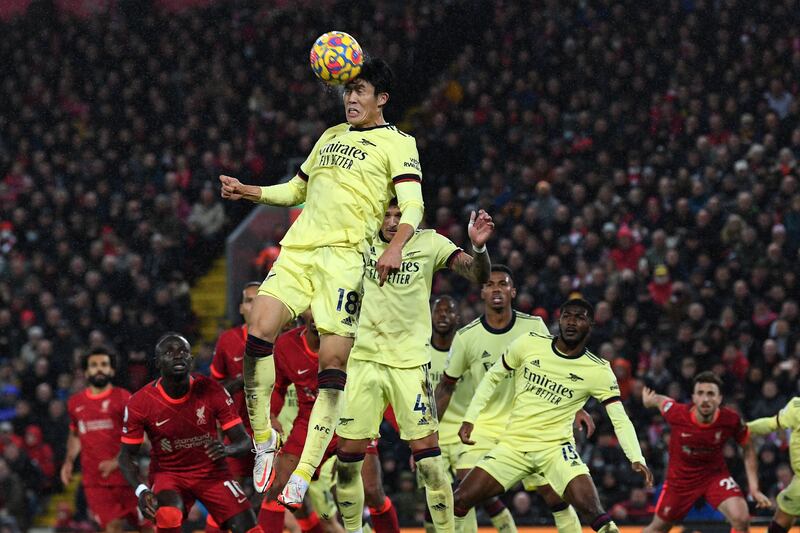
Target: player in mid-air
point(179, 413)
point(296, 363)
point(789, 498)
point(696, 463)
point(475, 348)
point(390, 361)
point(95, 428)
point(346, 183)
point(553, 377)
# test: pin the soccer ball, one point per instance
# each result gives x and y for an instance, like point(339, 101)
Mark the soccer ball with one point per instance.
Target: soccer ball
point(336, 57)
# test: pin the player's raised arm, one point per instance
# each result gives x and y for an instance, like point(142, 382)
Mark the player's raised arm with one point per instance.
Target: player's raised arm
point(290, 193)
point(650, 399)
point(484, 391)
point(476, 267)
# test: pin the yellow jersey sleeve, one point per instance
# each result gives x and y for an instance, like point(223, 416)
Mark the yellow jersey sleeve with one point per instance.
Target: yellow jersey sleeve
point(789, 416)
point(445, 251)
point(403, 159)
point(457, 362)
point(606, 388)
point(513, 358)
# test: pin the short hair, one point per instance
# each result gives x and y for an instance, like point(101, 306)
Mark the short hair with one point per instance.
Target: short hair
point(393, 202)
point(251, 284)
point(167, 336)
point(578, 302)
point(707, 376)
point(445, 298)
point(497, 267)
point(377, 72)
point(100, 350)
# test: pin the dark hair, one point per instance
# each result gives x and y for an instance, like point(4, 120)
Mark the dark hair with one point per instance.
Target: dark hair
point(707, 376)
point(100, 350)
point(446, 298)
point(393, 202)
point(251, 284)
point(377, 72)
point(167, 336)
point(497, 267)
point(578, 302)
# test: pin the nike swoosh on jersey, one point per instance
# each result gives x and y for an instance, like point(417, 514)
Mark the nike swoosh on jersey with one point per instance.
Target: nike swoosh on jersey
point(161, 422)
point(686, 434)
point(301, 372)
point(80, 408)
point(237, 359)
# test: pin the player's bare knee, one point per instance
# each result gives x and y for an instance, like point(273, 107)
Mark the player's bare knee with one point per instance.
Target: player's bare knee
point(740, 521)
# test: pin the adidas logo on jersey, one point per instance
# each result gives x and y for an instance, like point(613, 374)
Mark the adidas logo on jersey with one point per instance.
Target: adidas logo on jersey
point(575, 463)
point(535, 363)
point(347, 321)
point(485, 354)
point(423, 422)
point(440, 507)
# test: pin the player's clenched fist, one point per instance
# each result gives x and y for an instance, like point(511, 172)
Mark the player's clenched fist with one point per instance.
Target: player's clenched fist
point(148, 504)
point(232, 189)
point(465, 432)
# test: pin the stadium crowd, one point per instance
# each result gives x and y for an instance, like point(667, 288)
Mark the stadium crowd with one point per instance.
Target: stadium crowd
point(644, 158)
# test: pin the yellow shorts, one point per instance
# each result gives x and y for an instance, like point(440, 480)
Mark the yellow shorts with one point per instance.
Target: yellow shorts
point(450, 455)
point(789, 498)
point(558, 465)
point(372, 386)
point(327, 279)
point(470, 455)
point(320, 491)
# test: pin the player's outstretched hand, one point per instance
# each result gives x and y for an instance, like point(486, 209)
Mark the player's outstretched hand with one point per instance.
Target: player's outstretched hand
point(762, 502)
point(643, 470)
point(66, 472)
point(148, 504)
point(649, 397)
point(464, 433)
point(232, 189)
point(388, 262)
point(215, 450)
point(480, 228)
point(584, 420)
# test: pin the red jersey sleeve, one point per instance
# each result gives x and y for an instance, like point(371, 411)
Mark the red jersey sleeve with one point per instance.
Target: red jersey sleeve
point(219, 368)
point(742, 432)
point(670, 409)
point(222, 402)
point(73, 421)
point(133, 422)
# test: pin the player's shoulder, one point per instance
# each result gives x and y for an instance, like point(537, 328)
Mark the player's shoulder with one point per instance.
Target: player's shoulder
point(145, 394)
point(596, 359)
point(204, 384)
point(729, 416)
point(793, 404)
point(470, 328)
point(121, 393)
point(231, 333)
point(394, 131)
point(75, 400)
point(335, 131)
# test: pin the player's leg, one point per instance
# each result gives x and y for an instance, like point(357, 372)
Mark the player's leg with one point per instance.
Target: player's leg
point(285, 292)
point(736, 513)
point(564, 514)
point(672, 505)
point(477, 486)
point(350, 456)
point(788, 508)
point(435, 478)
point(657, 525)
point(320, 505)
point(381, 509)
point(271, 515)
point(336, 277)
point(470, 457)
point(169, 515)
point(244, 522)
point(582, 494)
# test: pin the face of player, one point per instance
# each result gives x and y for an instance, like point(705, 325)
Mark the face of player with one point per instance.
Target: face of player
point(575, 325)
point(362, 107)
point(706, 398)
point(391, 219)
point(498, 292)
point(444, 316)
point(248, 295)
point(99, 371)
point(175, 358)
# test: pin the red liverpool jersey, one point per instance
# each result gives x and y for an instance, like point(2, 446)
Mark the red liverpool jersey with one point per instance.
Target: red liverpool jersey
point(695, 449)
point(179, 428)
point(228, 364)
point(98, 422)
point(295, 363)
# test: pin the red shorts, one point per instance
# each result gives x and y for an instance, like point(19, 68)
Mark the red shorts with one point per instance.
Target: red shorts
point(107, 504)
point(297, 439)
point(224, 498)
point(677, 499)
